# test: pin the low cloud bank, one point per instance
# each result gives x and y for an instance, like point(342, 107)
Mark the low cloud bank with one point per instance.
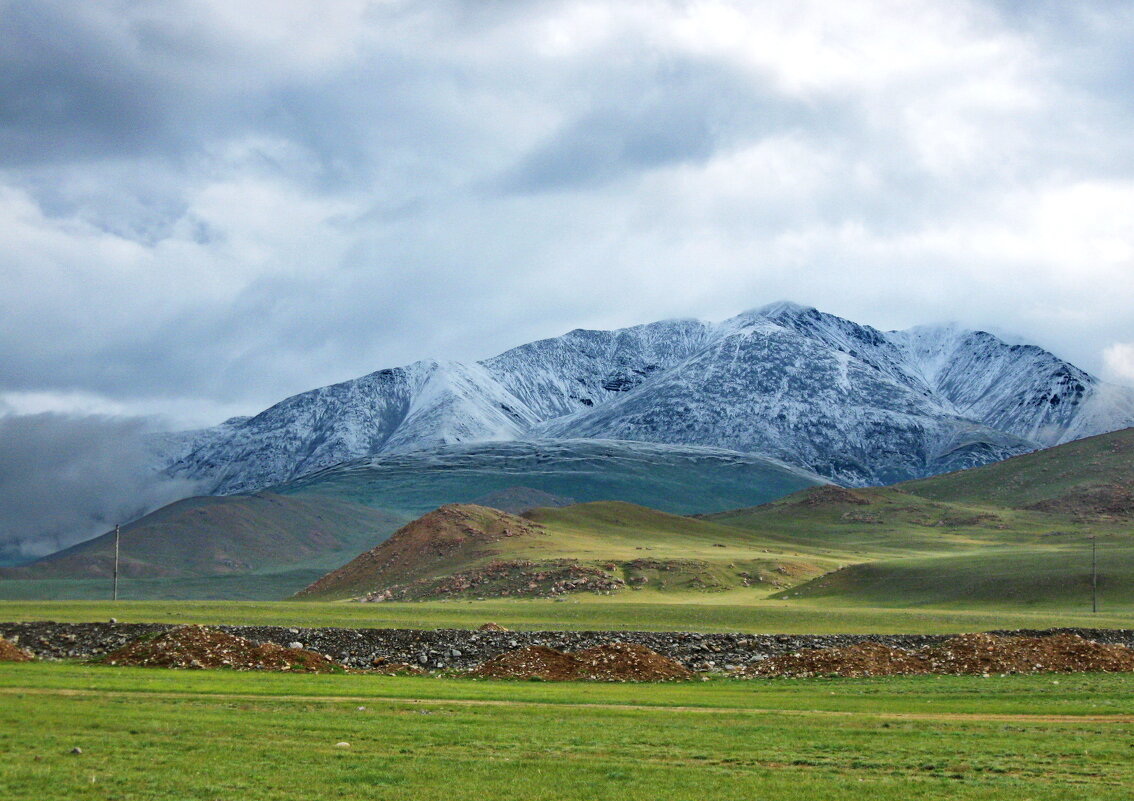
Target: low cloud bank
point(66, 479)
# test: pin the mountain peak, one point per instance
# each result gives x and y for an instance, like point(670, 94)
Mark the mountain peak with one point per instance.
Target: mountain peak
point(781, 308)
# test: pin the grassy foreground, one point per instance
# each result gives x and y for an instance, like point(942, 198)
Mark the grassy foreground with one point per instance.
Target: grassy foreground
point(641, 611)
point(154, 734)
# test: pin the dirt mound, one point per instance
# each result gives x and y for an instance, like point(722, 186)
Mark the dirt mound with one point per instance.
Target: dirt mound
point(534, 662)
point(968, 654)
point(616, 661)
point(863, 659)
point(10, 652)
point(492, 627)
point(622, 661)
point(197, 647)
point(1061, 653)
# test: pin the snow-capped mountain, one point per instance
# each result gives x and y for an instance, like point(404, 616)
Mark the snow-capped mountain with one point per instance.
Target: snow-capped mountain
point(852, 403)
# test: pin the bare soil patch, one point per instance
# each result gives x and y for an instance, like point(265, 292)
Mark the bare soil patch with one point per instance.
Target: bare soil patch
point(198, 647)
point(10, 652)
point(863, 659)
point(624, 661)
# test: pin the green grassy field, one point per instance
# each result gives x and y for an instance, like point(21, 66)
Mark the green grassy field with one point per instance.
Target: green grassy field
point(695, 612)
point(1052, 578)
point(157, 734)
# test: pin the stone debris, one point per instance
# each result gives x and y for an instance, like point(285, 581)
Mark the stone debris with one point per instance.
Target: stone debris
point(616, 661)
point(384, 668)
point(463, 649)
point(10, 652)
point(197, 647)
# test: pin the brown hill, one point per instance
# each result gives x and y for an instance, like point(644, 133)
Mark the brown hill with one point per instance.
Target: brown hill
point(450, 538)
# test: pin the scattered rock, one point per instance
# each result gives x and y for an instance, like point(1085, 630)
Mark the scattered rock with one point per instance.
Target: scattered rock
point(616, 661)
point(364, 648)
point(504, 578)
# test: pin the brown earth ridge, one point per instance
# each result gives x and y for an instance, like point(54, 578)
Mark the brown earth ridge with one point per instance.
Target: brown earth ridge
point(466, 648)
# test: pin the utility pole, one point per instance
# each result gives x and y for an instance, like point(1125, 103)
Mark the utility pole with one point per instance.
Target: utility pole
point(117, 537)
point(1094, 576)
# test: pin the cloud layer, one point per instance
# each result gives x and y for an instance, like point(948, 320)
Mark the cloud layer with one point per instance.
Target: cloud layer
point(66, 479)
point(206, 206)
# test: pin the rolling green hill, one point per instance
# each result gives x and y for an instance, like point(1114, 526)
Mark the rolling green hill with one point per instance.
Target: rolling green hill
point(1054, 577)
point(467, 551)
point(1010, 535)
point(198, 547)
point(1068, 473)
point(1007, 536)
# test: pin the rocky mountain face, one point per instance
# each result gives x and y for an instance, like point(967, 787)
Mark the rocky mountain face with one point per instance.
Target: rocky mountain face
point(852, 403)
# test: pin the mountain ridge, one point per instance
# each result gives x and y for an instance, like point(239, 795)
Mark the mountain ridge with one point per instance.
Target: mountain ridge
point(852, 403)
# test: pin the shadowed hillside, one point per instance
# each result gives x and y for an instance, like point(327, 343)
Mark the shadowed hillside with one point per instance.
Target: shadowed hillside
point(222, 536)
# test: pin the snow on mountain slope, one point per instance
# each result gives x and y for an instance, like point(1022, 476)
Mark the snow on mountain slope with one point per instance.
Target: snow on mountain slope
point(852, 403)
point(422, 405)
point(583, 369)
point(764, 388)
point(1019, 389)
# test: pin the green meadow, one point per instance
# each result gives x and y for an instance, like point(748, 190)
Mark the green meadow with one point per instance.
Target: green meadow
point(161, 734)
point(648, 611)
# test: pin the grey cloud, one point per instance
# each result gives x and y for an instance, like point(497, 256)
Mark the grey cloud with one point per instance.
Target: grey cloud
point(491, 192)
point(655, 116)
point(66, 479)
point(71, 88)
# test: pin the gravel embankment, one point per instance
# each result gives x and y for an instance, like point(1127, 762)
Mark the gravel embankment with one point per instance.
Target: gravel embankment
point(464, 648)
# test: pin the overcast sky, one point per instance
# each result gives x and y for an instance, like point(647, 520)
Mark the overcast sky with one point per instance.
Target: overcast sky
point(207, 206)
